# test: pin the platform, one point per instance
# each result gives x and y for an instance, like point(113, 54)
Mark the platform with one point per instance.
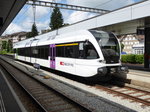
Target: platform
point(9, 102)
point(136, 77)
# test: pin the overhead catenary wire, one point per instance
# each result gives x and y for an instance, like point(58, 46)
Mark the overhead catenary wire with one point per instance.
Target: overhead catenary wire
point(104, 3)
point(95, 7)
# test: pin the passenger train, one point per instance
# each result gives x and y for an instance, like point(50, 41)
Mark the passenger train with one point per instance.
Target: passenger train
point(91, 54)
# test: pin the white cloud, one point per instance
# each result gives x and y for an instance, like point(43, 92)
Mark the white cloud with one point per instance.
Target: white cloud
point(42, 25)
point(27, 24)
point(40, 12)
point(102, 4)
point(13, 28)
point(78, 16)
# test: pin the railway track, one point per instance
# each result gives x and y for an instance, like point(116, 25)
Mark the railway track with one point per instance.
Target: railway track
point(47, 98)
point(8, 55)
point(133, 94)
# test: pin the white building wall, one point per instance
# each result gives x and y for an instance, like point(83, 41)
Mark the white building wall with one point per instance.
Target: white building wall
point(138, 49)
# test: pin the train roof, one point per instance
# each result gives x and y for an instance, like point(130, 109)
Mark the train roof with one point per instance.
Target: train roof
point(47, 38)
point(51, 37)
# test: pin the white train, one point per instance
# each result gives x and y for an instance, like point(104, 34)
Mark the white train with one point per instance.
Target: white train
point(86, 53)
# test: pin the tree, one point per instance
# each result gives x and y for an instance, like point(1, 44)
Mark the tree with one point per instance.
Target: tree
point(9, 46)
point(28, 35)
point(33, 32)
point(4, 45)
point(56, 19)
point(122, 47)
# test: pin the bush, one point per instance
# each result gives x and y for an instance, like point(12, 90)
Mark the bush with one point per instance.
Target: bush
point(124, 58)
point(139, 59)
point(132, 58)
point(3, 52)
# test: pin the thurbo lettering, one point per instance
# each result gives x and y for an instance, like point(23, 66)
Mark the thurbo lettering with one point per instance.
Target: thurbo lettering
point(66, 64)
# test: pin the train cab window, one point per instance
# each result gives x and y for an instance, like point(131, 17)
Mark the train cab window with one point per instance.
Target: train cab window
point(90, 52)
point(87, 51)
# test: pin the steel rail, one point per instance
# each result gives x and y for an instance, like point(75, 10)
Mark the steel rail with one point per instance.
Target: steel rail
point(4, 68)
point(134, 98)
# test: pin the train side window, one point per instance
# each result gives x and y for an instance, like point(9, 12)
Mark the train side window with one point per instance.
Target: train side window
point(28, 51)
point(22, 50)
point(14, 50)
point(60, 51)
point(18, 51)
point(69, 51)
point(38, 55)
point(46, 52)
point(42, 52)
point(34, 52)
point(39, 50)
point(25, 52)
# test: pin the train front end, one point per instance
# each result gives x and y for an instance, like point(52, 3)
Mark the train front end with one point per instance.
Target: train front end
point(111, 51)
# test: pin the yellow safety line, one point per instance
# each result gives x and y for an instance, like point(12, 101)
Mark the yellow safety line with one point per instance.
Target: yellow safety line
point(67, 44)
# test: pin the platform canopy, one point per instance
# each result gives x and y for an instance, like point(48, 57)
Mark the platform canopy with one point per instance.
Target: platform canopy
point(8, 10)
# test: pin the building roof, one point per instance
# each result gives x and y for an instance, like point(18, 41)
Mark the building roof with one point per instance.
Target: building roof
point(138, 37)
point(18, 34)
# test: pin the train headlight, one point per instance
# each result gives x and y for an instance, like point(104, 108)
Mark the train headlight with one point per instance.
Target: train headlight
point(123, 69)
point(102, 71)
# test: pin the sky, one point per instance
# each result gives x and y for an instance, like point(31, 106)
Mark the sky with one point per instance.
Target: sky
point(24, 20)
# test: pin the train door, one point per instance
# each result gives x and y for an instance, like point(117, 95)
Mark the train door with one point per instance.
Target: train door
point(52, 56)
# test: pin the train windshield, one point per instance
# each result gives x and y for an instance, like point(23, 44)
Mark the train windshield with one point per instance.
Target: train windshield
point(109, 46)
